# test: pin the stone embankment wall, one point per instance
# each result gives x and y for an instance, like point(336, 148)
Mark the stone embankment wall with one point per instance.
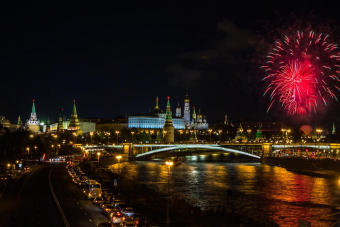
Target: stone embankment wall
point(322, 168)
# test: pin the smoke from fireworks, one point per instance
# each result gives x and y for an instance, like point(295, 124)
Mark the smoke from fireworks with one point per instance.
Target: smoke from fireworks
point(302, 70)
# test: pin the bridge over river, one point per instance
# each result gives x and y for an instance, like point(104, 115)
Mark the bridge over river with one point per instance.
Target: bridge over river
point(250, 149)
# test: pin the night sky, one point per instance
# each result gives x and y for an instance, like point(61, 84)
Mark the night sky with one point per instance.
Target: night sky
point(115, 59)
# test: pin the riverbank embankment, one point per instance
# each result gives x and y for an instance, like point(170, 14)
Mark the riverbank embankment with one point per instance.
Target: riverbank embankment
point(327, 168)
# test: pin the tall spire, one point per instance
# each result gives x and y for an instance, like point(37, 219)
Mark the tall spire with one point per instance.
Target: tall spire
point(33, 107)
point(74, 122)
point(194, 115)
point(186, 113)
point(333, 130)
point(178, 111)
point(74, 111)
point(168, 128)
point(156, 103)
point(226, 120)
point(168, 114)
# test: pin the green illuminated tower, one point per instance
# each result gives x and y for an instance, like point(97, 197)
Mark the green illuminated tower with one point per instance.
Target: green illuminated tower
point(333, 130)
point(74, 122)
point(259, 135)
point(168, 127)
point(194, 115)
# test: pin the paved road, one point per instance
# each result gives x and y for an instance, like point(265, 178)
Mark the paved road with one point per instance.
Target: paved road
point(46, 196)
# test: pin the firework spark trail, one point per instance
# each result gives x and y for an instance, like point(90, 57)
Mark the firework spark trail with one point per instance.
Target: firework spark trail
point(302, 72)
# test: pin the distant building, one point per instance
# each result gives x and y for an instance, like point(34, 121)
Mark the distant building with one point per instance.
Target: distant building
point(155, 119)
point(33, 123)
point(4, 122)
point(198, 122)
point(268, 129)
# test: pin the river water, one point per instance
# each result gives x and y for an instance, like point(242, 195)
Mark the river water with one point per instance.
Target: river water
point(261, 191)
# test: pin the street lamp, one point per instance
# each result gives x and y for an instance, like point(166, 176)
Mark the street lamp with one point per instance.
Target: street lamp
point(210, 130)
point(117, 132)
point(249, 131)
point(169, 164)
point(118, 158)
point(220, 133)
point(132, 133)
point(28, 151)
point(98, 158)
point(318, 131)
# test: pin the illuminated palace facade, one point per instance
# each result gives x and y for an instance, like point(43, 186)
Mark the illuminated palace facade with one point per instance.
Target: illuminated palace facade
point(153, 120)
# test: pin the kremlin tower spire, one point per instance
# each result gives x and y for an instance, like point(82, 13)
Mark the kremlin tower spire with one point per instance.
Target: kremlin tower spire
point(178, 111)
point(168, 127)
point(226, 120)
point(333, 130)
point(33, 123)
point(157, 110)
point(156, 103)
point(19, 123)
point(74, 122)
point(194, 115)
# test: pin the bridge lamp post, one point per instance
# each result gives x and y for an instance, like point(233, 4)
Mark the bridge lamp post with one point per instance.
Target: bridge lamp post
point(249, 131)
point(210, 130)
point(118, 158)
point(220, 133)
point(169, 164)
point(117, 132)
point(132, 133)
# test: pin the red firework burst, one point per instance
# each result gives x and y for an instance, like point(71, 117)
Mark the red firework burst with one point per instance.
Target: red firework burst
point(302, 71)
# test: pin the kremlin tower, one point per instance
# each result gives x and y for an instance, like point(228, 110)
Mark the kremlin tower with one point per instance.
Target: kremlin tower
point(33, 123)
point(168, 127)
point(157, 110)
point(74, 122)
point(186, 110)
point(178, 111)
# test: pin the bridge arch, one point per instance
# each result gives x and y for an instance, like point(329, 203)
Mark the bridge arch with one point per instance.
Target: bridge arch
point(194, 146)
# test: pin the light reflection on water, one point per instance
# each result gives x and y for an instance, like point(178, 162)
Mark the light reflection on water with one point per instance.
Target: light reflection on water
point(272, 193)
